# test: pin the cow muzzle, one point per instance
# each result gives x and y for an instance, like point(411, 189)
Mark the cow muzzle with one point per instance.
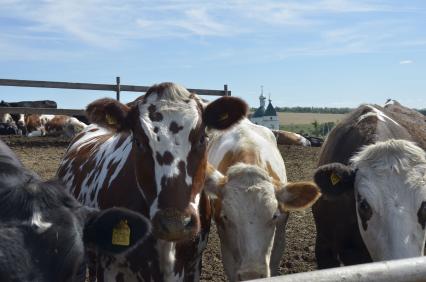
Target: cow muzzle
point(174, 225)
point(254, 272)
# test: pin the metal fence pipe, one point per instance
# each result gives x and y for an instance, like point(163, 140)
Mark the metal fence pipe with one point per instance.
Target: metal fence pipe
point(404, 270)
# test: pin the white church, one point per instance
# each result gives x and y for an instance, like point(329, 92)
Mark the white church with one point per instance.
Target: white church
point(268, 117)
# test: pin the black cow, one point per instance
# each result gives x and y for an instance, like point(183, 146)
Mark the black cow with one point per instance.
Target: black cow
point(34, 104)
point(8, 129)
point(372, 171)
point(44, 231)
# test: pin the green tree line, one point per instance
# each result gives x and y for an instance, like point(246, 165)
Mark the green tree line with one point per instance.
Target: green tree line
point(321, 110)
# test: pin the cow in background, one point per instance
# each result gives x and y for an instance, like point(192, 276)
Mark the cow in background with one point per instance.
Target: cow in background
point(53, 125)
point(150, 156)
point(252, 199)
point(290, 138)
point(45, 232)
point(19, 119)
point(372, 172)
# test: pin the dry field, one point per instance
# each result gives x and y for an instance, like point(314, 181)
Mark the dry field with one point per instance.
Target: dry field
point(43, 155)
point(308, 118)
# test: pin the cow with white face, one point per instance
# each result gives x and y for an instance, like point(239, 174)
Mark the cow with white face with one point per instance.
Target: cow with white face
point(373, 178)
point(252, 199)
point(150, 156)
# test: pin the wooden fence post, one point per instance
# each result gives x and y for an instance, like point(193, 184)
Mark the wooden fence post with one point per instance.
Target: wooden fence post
point(225, 89)
point(118, 87)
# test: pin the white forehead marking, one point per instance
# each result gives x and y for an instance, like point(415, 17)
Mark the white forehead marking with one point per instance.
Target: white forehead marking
point(377, 113)
point(184, 114)
point(37, 221)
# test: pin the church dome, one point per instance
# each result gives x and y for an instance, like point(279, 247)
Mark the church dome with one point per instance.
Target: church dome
point(260, 112)
point(270, 110)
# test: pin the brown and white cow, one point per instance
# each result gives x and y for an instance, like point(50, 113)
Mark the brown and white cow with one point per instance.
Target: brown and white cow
point(150, 156)
point(53, 125)
point(290, 138)
point(373, 178)
point(252, 199)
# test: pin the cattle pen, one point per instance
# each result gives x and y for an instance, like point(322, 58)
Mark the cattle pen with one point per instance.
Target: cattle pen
point(117, 88)
point(399, 270)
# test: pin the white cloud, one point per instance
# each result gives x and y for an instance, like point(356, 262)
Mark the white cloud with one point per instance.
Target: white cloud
point(406, 62)
point(110, 24)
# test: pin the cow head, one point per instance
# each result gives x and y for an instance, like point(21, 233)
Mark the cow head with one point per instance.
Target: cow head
point(44, 231)
point(248, 206)
point(388, 180)
point(168, 126)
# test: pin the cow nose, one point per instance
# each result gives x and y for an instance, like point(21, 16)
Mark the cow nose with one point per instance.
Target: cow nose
point(250, 275)
point(172, 225)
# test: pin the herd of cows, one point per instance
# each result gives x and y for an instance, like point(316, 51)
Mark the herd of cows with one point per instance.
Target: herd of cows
point(138, 187)
point(39, 125)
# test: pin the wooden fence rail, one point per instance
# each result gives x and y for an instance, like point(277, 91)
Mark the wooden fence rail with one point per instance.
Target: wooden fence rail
point(117, 88)
point(41, 111)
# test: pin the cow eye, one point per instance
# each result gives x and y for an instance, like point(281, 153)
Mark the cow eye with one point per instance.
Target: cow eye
point(275, 216)
point(364, 210)
point(203, 139)
point(421, 214)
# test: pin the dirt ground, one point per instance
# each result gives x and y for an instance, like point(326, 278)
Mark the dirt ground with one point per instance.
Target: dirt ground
point(44, 154)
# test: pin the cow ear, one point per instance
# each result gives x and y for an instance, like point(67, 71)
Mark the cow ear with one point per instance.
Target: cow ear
point(115, 230)
point(214, 182)
point(108, 113)
point(335, 179)
point(224, 112)
point(297, 195)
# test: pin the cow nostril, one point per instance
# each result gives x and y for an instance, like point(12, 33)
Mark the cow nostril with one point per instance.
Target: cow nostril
point(163, 224)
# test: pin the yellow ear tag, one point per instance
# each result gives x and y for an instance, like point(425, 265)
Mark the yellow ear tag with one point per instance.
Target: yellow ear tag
point(223, 117)
point(110, 119)
point(334, 178)
point(121, 234)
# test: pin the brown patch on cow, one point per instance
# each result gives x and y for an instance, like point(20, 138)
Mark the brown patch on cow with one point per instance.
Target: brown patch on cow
point(413, 121)
point(32, 122)
point(158, 89)
point(287, 137)
point(271, 172)
point(175, 193)
point(303, 195)
point(153, 114)
point(243, 155)
point(56, 124)
point(109, 113)
point(175, 128)
point(165, 159)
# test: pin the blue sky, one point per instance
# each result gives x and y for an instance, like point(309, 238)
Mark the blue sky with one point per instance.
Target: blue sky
point(306, 53)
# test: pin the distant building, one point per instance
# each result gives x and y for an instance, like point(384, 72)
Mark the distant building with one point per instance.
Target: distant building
point(268, 117)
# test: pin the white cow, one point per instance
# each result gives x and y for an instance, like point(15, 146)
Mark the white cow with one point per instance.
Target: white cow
point(252, 199)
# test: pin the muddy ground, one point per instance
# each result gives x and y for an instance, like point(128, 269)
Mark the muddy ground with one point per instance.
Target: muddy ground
point(44, 154)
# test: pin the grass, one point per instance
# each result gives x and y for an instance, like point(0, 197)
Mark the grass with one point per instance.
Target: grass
point(295, 119)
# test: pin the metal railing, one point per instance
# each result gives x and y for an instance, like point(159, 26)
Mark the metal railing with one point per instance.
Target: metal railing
point(403, 270)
